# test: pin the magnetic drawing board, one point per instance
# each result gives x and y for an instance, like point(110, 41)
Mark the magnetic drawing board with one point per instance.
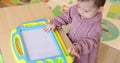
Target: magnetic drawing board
point(31, 44)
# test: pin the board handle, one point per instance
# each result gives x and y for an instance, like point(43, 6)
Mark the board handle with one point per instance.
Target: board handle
point(16, 43)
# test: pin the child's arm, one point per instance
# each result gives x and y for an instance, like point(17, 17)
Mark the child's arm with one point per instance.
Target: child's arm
point(58, 21)
point(89, 42)
point(64, 19)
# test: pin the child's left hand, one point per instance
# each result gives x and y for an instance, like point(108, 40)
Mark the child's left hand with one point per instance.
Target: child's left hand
point(74, 51)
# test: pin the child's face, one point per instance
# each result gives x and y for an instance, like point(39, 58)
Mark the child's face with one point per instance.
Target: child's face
point(87, 9)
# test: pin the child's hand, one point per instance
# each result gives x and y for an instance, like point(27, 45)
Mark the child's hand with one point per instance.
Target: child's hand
point(74, 51)
point(49, 26)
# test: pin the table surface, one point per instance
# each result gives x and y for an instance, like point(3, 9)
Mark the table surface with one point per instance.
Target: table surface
point(10, 17)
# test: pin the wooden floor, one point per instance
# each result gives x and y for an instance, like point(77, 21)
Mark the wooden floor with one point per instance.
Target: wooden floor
point(108, 54)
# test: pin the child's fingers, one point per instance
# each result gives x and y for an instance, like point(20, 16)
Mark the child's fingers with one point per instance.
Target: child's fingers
point(77, 55)
point(69, 49)
point(53, 29)
point(73, 53)
point(47, 29)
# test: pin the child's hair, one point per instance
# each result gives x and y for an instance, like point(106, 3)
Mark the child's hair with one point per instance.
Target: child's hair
point(98, 3)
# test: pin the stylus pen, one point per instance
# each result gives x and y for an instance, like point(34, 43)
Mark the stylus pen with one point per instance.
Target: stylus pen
point(49, 29)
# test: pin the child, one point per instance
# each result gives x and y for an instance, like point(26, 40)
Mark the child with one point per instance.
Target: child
point(85, 32)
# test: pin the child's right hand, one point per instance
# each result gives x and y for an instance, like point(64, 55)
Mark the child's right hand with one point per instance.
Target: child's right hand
point(74, 51)
point(49, 27)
